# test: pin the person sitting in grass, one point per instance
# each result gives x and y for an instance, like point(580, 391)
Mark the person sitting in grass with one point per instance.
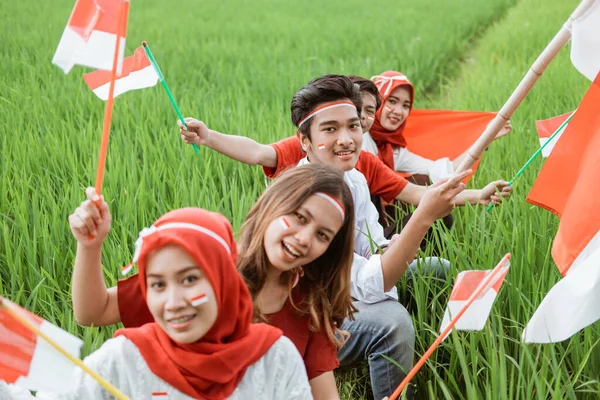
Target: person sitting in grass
point(291, 257)
point(382, 181)
point(200, 342)
point(385, 138)
point(326, 112)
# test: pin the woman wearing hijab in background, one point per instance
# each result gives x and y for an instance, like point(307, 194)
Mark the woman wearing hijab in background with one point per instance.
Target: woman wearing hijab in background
point(387, 140)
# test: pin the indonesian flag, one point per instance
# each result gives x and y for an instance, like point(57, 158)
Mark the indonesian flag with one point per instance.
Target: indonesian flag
point(90, 36)
point(585, 42)
point(138, 73)
point(546, 129)
point(466, 284)
point(567, 186)
point(436, 134)
point(28, 360)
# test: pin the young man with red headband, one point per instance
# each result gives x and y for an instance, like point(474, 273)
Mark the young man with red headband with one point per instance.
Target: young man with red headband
point(326, 112)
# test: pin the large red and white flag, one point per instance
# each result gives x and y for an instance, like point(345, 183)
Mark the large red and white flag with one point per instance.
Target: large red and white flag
point(466, 284)
point(138, 73)
point(546, 128)
point(585, 42)
point(437, 134)
point(567, 186)
point(90, 36)
point(28, 360)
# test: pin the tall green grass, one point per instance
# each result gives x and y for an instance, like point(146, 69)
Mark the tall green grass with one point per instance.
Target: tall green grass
point(236, 64)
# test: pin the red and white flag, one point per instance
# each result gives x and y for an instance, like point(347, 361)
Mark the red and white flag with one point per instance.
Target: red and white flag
point(546, 129)
point(90, 36)
point(466, 284)
point(28, 360)
point(585, 42)
point(138, 73)
point(567, 186)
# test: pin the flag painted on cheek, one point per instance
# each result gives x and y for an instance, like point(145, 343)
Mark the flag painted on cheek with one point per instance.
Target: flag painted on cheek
point(199, 299)
point(284, 223)
point(321, 146)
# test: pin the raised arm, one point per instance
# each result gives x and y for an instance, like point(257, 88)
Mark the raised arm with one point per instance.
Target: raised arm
point(437, 202)
point(239, 148)
point(494, 192)
point(93, 303)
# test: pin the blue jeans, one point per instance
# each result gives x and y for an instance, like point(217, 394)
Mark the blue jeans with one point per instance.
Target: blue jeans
point(386, 328)
point(380, 328)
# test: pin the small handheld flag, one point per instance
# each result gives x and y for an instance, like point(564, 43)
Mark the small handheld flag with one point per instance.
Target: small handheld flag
point(138, 73)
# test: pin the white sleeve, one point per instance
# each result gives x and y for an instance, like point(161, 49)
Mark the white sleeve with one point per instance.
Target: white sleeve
point(292, 383)
point(410, 163)
point(367, 280)
point(369, 234)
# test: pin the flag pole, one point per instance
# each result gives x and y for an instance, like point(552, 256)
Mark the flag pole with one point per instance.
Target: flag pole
point(27, 324)
point(109, 104)
point(556, 132)
point(483, 285)
point(536, 70)
point(164, 83)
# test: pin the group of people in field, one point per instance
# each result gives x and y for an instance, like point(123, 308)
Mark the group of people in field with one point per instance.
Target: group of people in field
point(311, 284)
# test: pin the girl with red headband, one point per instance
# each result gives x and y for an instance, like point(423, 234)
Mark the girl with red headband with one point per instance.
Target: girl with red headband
point(291, 257)
point(386, 140)
point(201, 342)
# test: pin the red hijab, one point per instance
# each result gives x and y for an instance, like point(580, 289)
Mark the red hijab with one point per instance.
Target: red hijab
point(387, 140)
point(212, 367)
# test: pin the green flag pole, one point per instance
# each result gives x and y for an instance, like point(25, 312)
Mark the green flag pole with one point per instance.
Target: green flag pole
point(164, 83)
point(559, 130)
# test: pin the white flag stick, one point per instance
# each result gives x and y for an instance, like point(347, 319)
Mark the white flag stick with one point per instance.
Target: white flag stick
point(536, 70)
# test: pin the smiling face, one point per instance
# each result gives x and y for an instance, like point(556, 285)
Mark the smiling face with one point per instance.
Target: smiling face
point(395, 109)
point(298, 238)
point(336, 137)
point(368, 111)
point(173, 279)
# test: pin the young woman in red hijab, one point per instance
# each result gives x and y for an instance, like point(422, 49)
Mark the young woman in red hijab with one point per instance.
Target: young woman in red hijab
point(202, 343)
point(386, 139)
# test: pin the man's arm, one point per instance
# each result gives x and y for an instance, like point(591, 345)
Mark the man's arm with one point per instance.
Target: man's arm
point(494, 192)
point(239, 148)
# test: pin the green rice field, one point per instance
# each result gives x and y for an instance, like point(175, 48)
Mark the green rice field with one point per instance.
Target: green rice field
point(235, 64)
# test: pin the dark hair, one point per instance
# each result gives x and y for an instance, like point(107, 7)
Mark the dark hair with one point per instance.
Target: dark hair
point(322, 90)
point(326, 282)
point(368, 86)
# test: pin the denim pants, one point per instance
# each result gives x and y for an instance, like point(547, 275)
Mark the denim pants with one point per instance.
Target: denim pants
point(386, 328)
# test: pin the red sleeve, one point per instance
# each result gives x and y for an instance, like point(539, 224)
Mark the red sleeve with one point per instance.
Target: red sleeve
point(289, 153)
point(132, 307)
point(320, 356)
point(382, 180)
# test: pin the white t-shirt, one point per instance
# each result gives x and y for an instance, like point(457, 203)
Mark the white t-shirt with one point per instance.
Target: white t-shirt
point(410, 163)
point(279, 374)
point(367, 275)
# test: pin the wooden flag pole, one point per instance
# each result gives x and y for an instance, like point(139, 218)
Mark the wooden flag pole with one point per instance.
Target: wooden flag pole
point(109, 104)
point(536, 70)
point(26, 323)
point(482, 286)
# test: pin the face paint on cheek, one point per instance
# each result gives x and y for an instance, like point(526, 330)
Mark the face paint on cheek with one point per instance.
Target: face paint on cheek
point(199, 299)
point(388, 108)
point(284, 223)
point(321, 146)
point(370, 118)
point(126, 269)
